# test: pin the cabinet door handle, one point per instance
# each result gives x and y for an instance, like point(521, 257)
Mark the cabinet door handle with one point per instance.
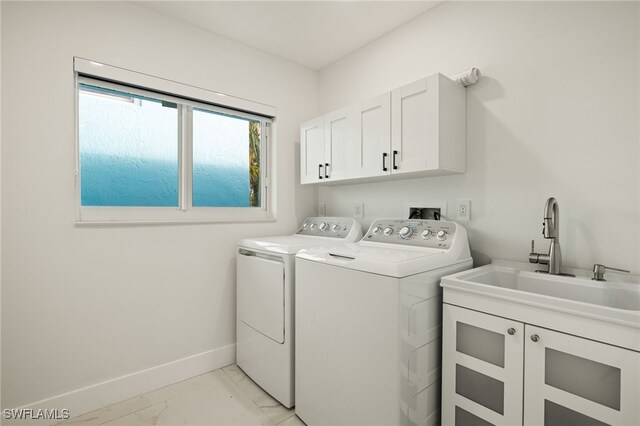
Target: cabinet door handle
point(535, 338)
point(395, 153)
point(319, 171)
point(384, 161)
point(511, 331)
point(326, 168)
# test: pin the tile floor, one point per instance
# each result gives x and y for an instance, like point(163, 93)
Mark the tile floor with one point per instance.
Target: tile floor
point(221, 397)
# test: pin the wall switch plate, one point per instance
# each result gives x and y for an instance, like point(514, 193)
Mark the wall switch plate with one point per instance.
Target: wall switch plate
point(464, 210)
point(358, 210)
point(322, 210)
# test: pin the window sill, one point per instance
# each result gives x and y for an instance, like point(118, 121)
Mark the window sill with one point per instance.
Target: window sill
point(135, 223)
point(142, 216)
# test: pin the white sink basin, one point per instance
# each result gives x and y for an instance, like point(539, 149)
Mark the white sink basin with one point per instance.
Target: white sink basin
point(611, 301)
point(614, 295)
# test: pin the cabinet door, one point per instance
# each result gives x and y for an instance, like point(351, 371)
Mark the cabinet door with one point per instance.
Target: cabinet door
point(414, 137)
point(574, 381)
point(482, 368)
point(373, 137)
point(312, 151)
point(338, 143)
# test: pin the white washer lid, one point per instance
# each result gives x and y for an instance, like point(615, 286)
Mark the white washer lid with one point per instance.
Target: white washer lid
point(397, 261)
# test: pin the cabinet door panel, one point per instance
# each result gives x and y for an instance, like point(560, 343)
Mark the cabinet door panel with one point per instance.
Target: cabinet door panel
point(414, 141)
point(476, 378)
point(311, 150)
point(579, 380)
point(465, 418)
point(338, 145)
point(373, 137)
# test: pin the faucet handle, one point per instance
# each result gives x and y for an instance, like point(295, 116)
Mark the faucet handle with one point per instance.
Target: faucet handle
point(533, 245)
point(599, 270)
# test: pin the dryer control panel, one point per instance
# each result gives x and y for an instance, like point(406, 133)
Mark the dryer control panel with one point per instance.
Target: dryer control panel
point(332, 227)
point(413, 232)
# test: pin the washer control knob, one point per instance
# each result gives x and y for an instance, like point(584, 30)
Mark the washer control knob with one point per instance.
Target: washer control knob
point(388, 231)
point(305, 225)
point(406, 232)
point(377, 230)
point(442, 235)
point(322, 226)
point(313, 226)
point(426, 234)
point(335, 228)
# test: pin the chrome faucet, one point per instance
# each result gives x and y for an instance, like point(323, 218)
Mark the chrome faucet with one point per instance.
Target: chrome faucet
point(550, 231)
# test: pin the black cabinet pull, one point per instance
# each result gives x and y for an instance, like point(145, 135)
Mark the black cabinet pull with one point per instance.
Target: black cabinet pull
point(395, 167)
point(384, 161)
point(326, 167)
point(319, 171)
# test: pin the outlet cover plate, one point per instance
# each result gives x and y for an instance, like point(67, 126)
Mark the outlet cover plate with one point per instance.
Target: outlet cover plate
point(358, 210)
point(464, 210)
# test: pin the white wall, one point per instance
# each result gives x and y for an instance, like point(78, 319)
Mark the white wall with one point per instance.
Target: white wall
point(555, 115)
point(82, 305)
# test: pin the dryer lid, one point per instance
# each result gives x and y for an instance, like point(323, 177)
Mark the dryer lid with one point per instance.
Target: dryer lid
point(314, 232)
point(289, 244)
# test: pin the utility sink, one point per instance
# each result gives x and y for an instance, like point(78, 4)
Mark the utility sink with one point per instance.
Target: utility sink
point(614, 301)
point(615, 295)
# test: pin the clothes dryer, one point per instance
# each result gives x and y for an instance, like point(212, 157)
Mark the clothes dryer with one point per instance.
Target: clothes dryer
point(368, 324)
point(265, 300)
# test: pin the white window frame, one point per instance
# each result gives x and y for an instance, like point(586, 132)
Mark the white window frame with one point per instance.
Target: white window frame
point(186, 97)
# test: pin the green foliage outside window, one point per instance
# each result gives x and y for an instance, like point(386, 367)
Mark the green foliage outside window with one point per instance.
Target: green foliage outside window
point(254, 163)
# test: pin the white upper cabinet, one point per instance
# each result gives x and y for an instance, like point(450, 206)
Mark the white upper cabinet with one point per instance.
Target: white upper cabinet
point(312, 151)
point(428, 127)
point(326, 147)
point(372, 137)
point(415, 130)
point(338, 142)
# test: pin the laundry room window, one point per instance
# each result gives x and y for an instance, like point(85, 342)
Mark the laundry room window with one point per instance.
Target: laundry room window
point(149, 151)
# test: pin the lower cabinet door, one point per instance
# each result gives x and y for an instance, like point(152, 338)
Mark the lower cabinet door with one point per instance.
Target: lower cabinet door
point(574, 381)
point(482, 369)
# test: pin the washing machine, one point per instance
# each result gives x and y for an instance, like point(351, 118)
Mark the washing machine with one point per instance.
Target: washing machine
point(368, 324)
point(265, 300)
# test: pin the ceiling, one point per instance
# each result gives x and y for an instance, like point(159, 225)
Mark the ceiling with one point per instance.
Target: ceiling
point(310, 33)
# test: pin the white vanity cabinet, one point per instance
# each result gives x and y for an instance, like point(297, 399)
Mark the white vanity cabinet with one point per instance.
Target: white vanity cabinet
point(569, 380)
point(415, 130)
point(498, 371)
point(482, 368)
point(326, 145)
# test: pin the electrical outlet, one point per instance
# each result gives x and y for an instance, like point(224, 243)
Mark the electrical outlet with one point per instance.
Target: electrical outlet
point(464, 210)
point(322, 210)
point(358, 210)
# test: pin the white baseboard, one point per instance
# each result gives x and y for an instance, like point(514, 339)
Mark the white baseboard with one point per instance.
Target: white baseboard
point(84, 400)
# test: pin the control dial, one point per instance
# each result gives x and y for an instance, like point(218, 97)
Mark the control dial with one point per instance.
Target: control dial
point(388, 231)
point(313, 226)
point(442, 235)
point(305, 225)
point(323, 226)
point(406, 232)
point(377, 230)
point(426, 234)
point(335, 228)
